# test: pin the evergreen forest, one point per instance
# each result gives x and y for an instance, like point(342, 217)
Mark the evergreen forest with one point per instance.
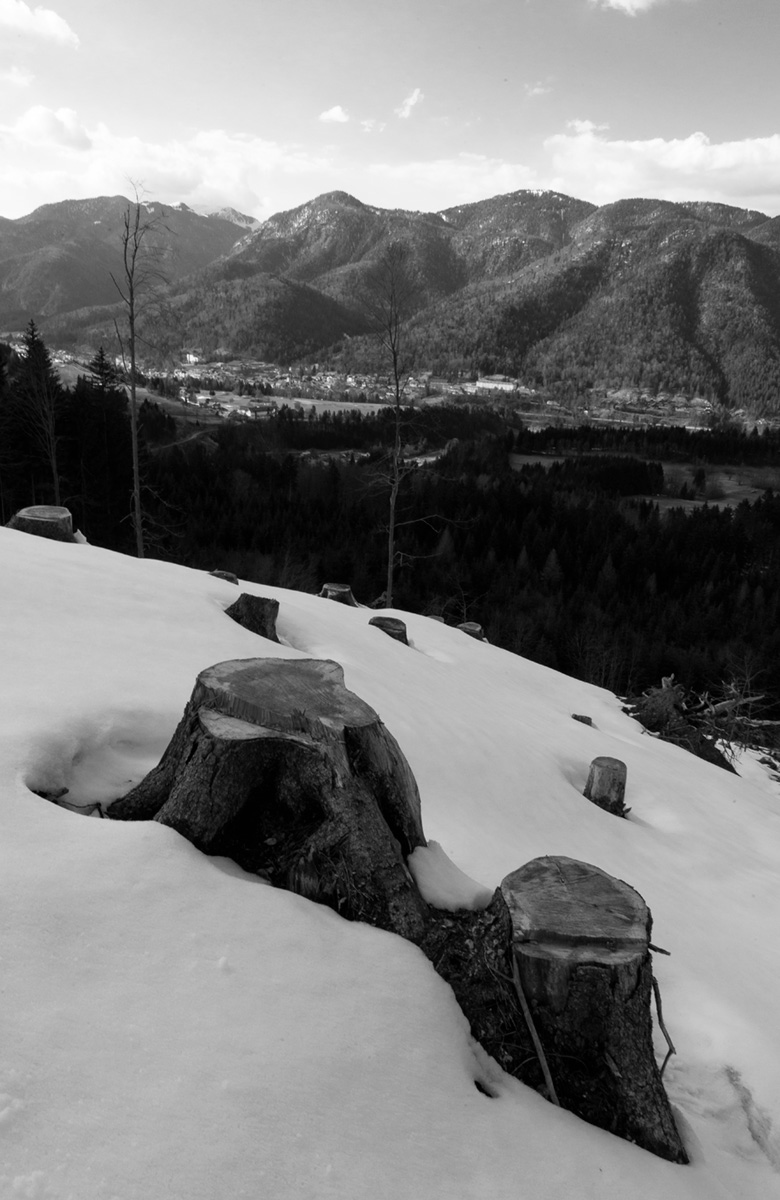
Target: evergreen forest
point(569, 561)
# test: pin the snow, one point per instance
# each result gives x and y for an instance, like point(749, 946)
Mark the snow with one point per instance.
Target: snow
point(175, 1028)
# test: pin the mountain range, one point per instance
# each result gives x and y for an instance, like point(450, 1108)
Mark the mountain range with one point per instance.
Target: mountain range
point(61, 257)
point(641, 293)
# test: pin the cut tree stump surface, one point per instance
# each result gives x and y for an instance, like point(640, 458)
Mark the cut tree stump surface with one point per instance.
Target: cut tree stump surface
point(44, 520)
point(569, 904)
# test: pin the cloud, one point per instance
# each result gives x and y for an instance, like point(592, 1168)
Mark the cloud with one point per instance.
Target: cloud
point(336, 114)
point(405, 109)
point(372, 126)
point(444, 182)
point(629, 7)
point(588, 163)
point(51, 127)
point(537, 89)
point(38, 22)
point(214, 167)
point(17, 77)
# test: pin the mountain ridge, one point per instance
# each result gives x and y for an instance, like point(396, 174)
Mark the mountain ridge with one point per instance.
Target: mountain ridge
point(642, 292)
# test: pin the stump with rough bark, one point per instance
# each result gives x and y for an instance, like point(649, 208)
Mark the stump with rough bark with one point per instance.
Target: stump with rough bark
point(392, 626)
point(256, 613)
point(278, 766)
point(581, 942)
point(44, 520)
point(606, 786)
point(473, 629)
point(340, 592)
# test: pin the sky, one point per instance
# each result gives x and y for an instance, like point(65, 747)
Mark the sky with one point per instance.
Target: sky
point(419, 104)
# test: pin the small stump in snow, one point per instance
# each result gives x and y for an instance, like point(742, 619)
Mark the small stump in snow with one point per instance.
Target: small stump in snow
point(44, 520)
point(256, 613)
point(473, 629)
point(392, 627)
point(581, 941)
point(278, 766)
point(341, 592)
point(228, 576)
point(606, 785)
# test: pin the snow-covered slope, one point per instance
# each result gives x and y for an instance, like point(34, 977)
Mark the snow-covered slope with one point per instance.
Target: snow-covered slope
point(174, 1028)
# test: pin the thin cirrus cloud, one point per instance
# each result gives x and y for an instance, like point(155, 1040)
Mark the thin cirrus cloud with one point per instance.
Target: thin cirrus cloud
point(405, 109)
point(336, 115)
point(36, 22)
point(630, 7)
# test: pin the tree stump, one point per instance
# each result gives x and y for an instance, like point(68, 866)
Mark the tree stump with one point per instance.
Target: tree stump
point(392, 626)
point(606, 785)
point(473, 629)
point(256, 613)
point(581, 941)
point(278, 766)
point(341, 592)
point(44, 520)
point(228, 576)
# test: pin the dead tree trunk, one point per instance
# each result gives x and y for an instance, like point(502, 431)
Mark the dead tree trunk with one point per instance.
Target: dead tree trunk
point(581, 941)
point(277, 765)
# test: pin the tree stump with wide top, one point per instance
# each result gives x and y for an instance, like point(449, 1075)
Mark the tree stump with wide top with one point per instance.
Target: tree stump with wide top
point(256, 613)
point(606, 785)
point(341, 592)
point(277, 765)
point(581, 942)
point(393, 627)
point(44, 520)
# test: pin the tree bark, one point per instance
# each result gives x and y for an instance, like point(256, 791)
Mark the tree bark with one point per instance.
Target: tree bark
point(256, 613)
point(392, 626)
point(606, 785)
point(278, 766)
point(44, 520)
point(581, 940)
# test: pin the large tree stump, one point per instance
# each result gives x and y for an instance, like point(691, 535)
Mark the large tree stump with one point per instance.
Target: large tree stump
point(256, 613)
point(278, 766)
point(44, 520)
point(581, 941)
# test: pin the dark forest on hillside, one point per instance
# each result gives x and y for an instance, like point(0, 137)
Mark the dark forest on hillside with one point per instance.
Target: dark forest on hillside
point(571, 563)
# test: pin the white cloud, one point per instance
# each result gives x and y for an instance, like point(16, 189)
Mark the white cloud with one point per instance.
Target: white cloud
point(214, 167)
point(51, 127)
point(39, 22)
point(537, 89)
point(441, 183)
point(336, 114)
point(372, 126)
point(17, 77)
point(587, 163)
point(630, 7)
point(404, 111)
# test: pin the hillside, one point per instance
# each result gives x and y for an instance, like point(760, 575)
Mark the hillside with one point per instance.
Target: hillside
point(152, 995)
point(61, 256)
point(641, 293)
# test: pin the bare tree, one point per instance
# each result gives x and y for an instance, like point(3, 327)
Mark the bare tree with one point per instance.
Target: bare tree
point(389, 296)
point(139, 280)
